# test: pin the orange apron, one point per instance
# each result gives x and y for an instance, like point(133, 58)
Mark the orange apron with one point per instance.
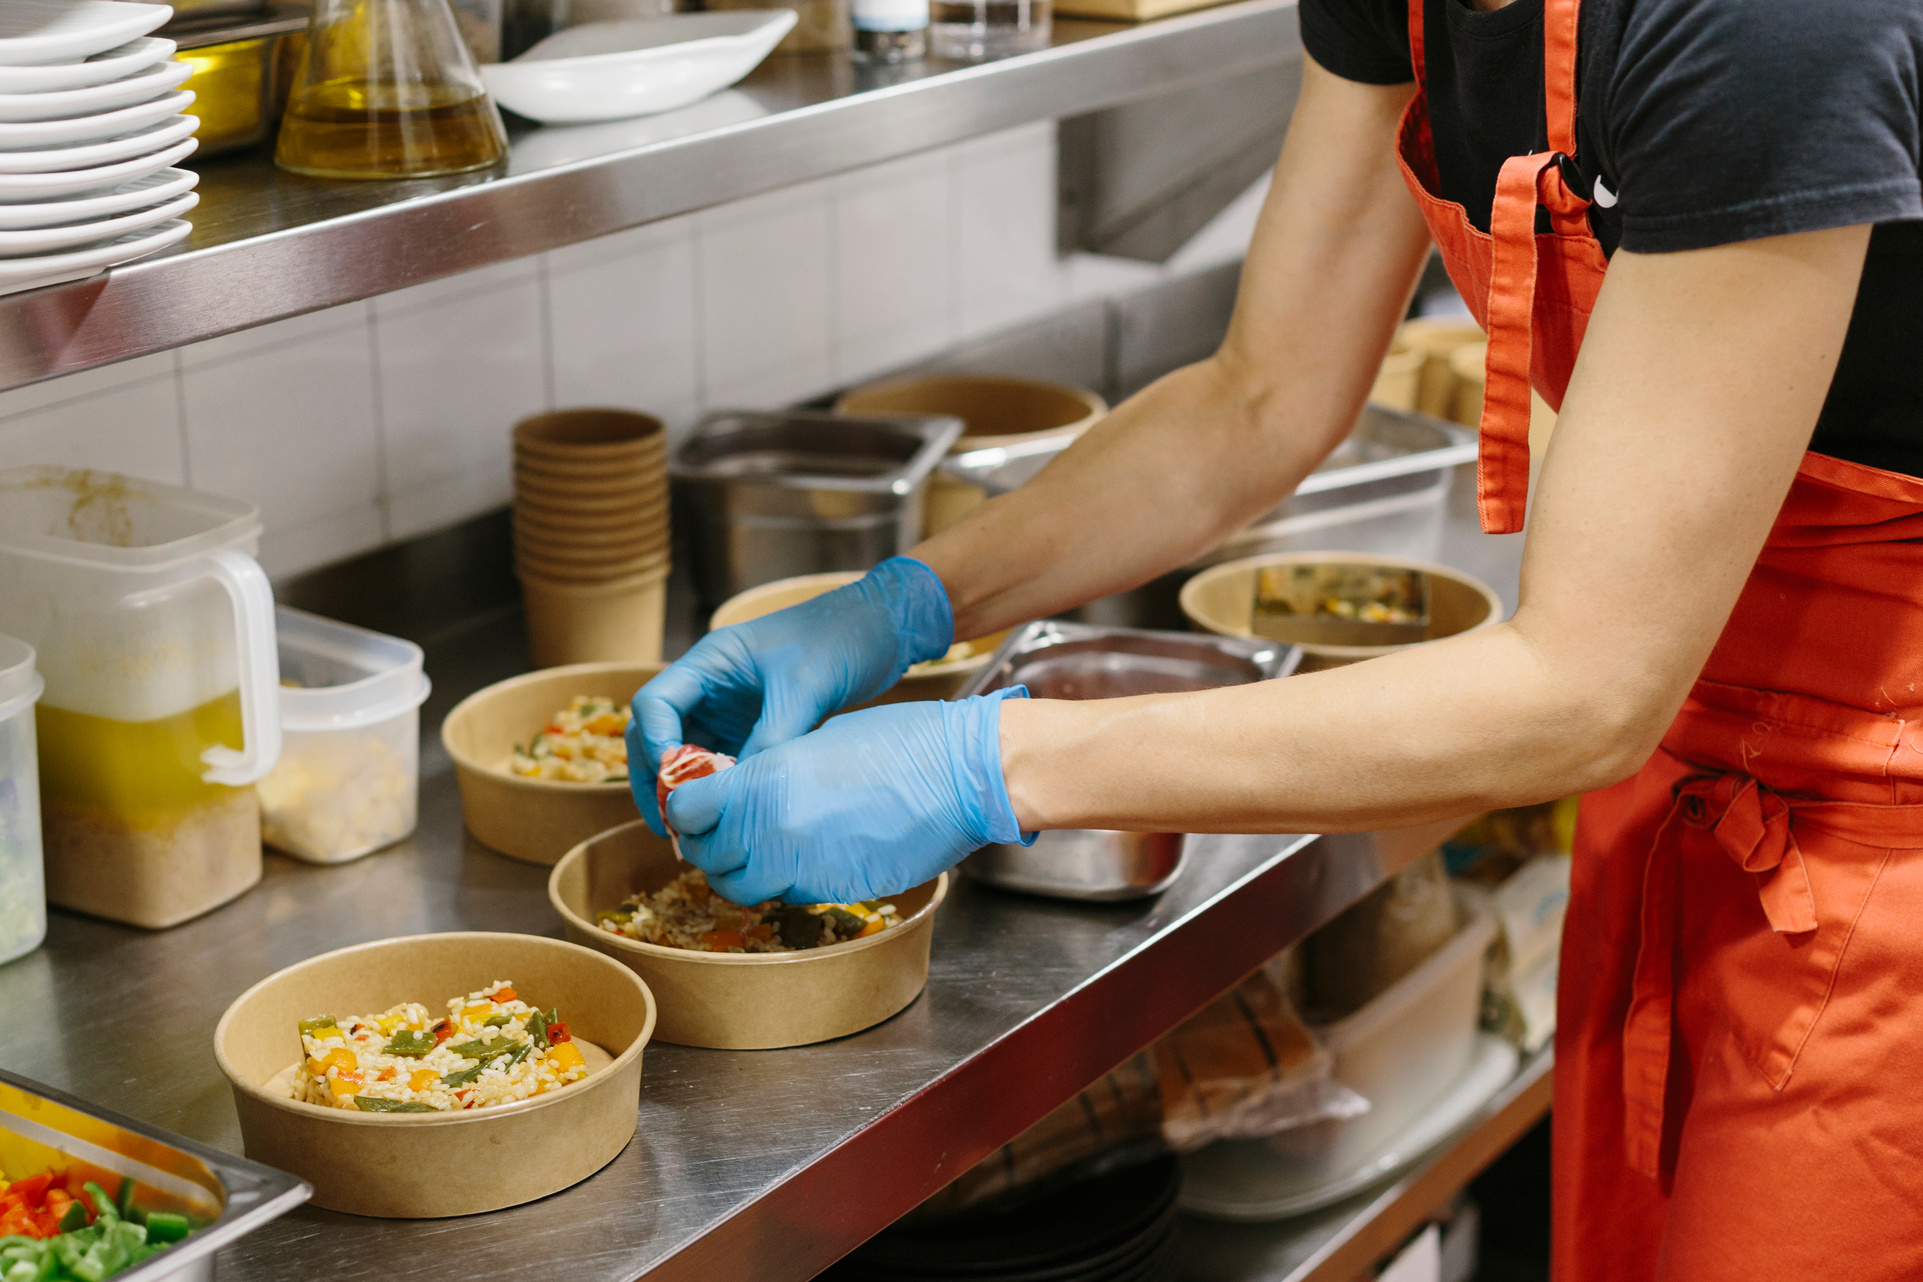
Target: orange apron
point(1739, 1052)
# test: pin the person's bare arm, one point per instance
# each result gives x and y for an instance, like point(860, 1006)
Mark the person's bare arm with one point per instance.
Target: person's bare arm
point(1201, 452)
point(1698, 386)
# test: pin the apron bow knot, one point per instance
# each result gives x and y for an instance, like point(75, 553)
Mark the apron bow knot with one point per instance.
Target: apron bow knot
point(1753, 826)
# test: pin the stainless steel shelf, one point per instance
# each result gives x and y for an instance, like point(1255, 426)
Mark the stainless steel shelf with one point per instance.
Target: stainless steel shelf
point(268, 245)
point(1337, 1244)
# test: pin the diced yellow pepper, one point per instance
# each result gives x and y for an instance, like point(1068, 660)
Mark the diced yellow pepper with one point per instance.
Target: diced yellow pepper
point(388, 1023)
point(340, 1059)
point(322, 1034)
point(422, 1078)
point(874, 926)
point(478, 1012)
point(345, 1086)
point(565, 1056)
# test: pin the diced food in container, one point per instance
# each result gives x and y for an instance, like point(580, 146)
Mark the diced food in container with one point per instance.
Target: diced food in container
point(348, 780)
point(585, 742)
point(491, 1048)
point(23, 896)
point(86, 1195)
point(686, 913)
point(155, 634)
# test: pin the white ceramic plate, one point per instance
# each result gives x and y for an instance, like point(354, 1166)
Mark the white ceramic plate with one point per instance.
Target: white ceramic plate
point(18, 188)
point(138, 194)
point(88, 155)
point(636, 66)
point(119, 61)
point(47, 240)
point(141, 86)
point(79, 129)
point(42, 31)
point(17, 274)
point(1240, 1180)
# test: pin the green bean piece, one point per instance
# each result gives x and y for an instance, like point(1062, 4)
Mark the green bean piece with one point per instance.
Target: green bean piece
point(75, 1218)
point(370, 1104)
point(410, 1043)
point(103, 1206)
point(496, 1021)
point(537, 1028)
point(847, 924)
point(317, 1023)
point(481, 1050)
point(461, 1078)
point(165, 1226)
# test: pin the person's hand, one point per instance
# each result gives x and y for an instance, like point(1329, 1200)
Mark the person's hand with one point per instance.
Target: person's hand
point(744, 689)
point(869, 805)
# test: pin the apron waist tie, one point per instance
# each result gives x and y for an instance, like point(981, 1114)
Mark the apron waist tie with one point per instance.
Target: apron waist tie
point(1756, 828)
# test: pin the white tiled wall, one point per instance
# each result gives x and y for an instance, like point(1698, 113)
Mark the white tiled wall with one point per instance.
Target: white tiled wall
point(381, 420)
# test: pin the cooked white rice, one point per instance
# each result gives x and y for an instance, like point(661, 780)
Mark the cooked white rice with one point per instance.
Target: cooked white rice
point(586, 742)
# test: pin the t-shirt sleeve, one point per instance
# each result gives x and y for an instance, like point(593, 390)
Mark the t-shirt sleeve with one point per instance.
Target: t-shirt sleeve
point(1362, 40)
point(1729, 120)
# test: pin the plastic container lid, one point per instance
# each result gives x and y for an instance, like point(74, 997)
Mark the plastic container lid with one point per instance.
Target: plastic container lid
point(343, 677)
point(20, 685)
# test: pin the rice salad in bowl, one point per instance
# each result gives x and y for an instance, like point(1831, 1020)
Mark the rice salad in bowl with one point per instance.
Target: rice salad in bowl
point(491, 1048)
point(687, 913)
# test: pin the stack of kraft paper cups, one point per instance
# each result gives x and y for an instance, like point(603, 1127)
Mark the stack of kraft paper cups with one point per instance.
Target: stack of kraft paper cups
point(591, 534)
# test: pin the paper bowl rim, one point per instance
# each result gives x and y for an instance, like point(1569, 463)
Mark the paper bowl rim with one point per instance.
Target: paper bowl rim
point(661, 952)
point(356, 1118)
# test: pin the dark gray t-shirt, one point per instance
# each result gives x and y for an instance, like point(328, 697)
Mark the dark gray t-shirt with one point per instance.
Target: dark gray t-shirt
point(1712, 121)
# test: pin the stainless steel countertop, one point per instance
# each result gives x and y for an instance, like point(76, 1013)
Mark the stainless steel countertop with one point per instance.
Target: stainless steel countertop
point(267, 245)
point(768, 1164)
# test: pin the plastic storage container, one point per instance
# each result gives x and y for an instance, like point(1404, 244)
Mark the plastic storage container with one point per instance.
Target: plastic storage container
point(349, 776)
point(155, 634)
point(23, 896)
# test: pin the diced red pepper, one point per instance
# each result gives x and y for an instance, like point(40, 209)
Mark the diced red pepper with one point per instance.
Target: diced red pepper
point(442, 1032)
point(558, 1033)
point(506, 995)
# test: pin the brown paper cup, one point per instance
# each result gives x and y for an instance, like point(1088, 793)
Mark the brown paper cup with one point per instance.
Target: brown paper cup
point(586, 507)
point(588, 574)
point(582, 434)
point(995, 411)
point(1221, 599)
point(571, 526)
point(537, 820)
point(604, 487)
point(938, 679)
point(423, 1165)
point(615, 622)
point(741, 1001)
point(1400, 377)
point(1437, 340)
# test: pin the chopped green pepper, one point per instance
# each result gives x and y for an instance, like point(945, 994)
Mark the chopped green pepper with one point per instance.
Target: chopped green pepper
point(410, 1043)
point(75, 1218)
point(104, 1208)
point(124, 1197)
point(165, 1226)
point(368, 1104)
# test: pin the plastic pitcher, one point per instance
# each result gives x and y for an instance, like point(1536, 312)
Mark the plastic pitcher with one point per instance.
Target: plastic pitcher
point(155, 633)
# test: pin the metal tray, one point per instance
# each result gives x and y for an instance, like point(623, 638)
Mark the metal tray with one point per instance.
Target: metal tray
point(1058, 660)
point(40, 1126)
point(1391, 455)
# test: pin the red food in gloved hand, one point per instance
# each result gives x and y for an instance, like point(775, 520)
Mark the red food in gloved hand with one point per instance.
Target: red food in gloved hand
point(679, 765)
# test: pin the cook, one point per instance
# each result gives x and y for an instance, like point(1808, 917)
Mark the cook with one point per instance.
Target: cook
point(1691, 224)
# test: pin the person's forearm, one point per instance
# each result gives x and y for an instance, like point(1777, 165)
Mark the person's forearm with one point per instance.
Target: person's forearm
point(1171, 471)
point(1446, 729)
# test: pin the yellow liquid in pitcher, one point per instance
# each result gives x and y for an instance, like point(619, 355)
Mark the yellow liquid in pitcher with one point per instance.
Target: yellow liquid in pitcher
point(134, 773)
point(362, 129)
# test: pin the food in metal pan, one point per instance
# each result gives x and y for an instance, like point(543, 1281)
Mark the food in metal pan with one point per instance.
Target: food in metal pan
point(586, 742)
point(687, 913)
point(58, 1227)
point(491, 1048)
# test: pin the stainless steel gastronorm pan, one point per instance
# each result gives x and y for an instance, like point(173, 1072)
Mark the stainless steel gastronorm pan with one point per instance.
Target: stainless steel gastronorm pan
point(1394, 460)
point(1057, 660)
point(42, 1128)
point(770, 496)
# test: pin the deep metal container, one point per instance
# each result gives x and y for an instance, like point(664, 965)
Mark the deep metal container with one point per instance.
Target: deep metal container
point(1058, 660)
point(1382, 490)
point(42, 1128)
point(771, 496)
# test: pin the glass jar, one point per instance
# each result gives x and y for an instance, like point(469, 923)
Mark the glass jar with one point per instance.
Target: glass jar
point(980, 30)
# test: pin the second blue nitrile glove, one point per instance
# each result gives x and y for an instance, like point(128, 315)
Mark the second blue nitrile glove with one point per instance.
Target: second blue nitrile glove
point(871, 804)
point(746, 688)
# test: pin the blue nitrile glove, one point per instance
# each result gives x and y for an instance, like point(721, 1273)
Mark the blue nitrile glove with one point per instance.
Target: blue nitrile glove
point(746, 688)
point(871, 804)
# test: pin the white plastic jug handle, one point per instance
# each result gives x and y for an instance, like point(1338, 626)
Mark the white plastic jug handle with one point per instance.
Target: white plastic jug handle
point(259, 655)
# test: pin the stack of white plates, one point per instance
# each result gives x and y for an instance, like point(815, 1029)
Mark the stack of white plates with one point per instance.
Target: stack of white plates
point(90, 123)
